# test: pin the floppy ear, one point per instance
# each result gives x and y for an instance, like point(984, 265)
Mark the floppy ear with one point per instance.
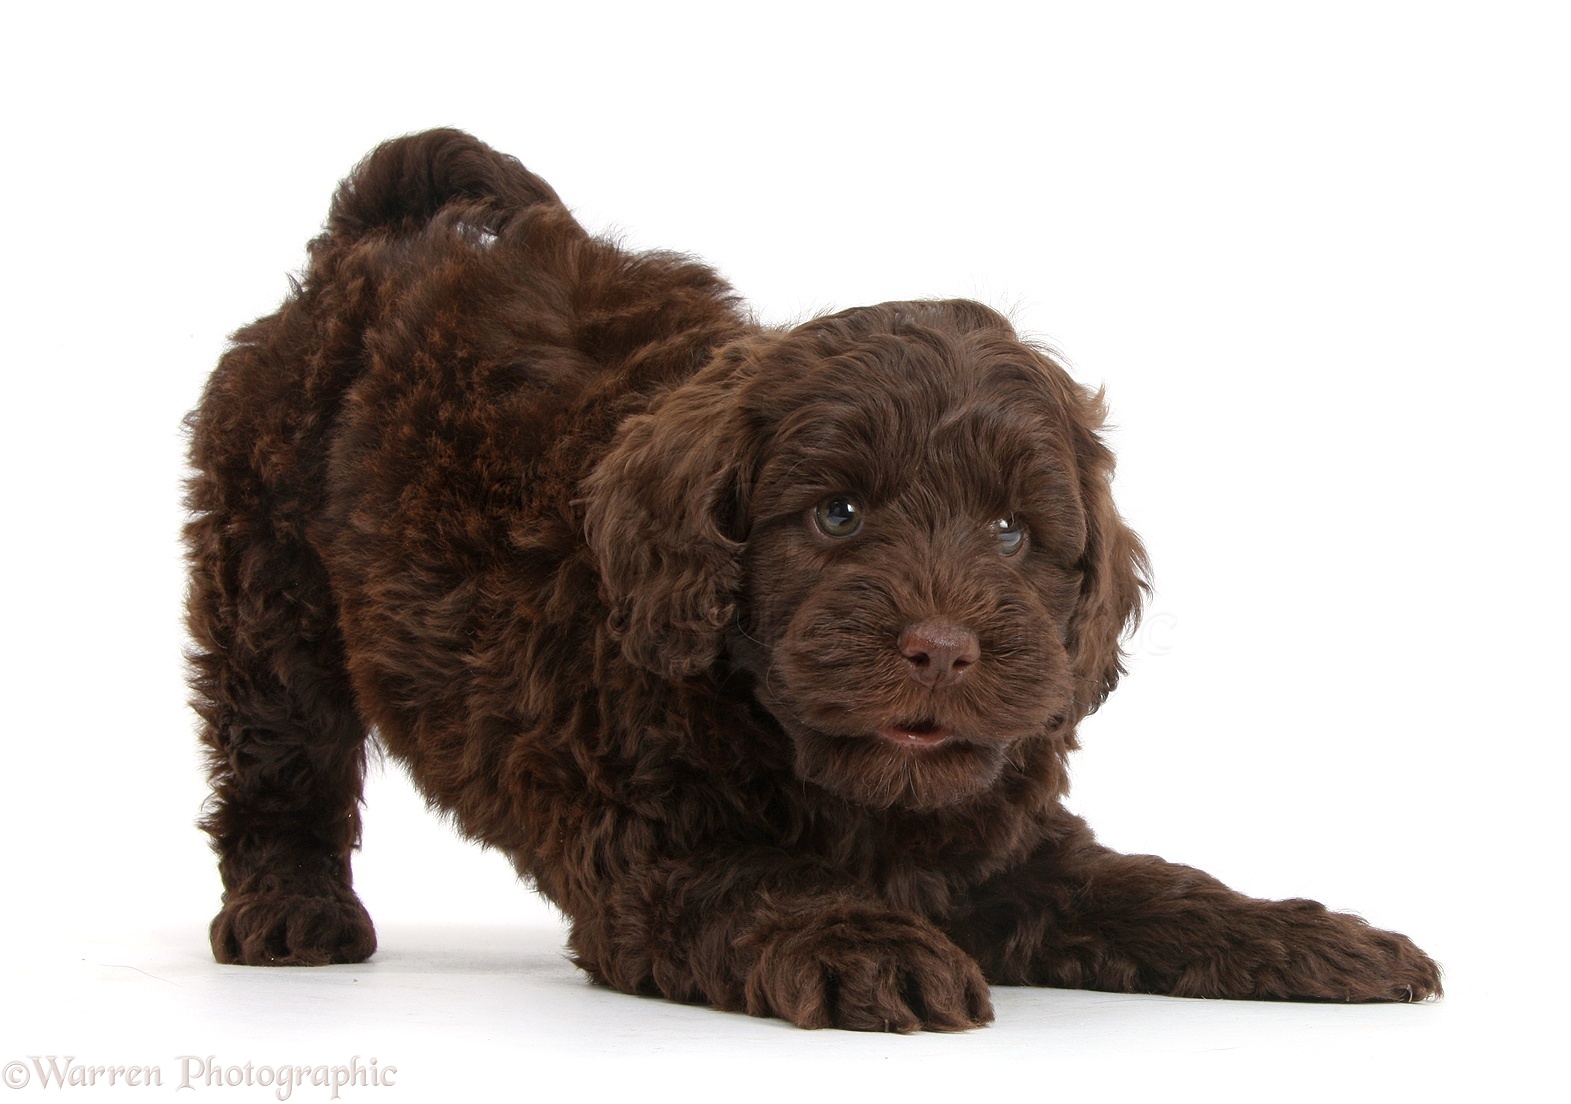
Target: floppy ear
point(1114, 569)
point(665, 518)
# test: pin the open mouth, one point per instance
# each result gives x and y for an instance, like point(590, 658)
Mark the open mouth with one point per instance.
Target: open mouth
point(917, 734)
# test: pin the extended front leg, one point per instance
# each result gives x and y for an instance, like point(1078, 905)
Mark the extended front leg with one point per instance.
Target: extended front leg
point(1077, 915)
point(753, 930)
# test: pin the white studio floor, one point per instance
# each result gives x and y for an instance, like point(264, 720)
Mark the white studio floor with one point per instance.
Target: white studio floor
point(481, 1013)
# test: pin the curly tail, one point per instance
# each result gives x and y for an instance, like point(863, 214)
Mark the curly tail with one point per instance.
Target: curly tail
point(403, 183)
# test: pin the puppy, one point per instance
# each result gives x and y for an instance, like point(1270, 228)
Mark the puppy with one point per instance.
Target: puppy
point(759, 651)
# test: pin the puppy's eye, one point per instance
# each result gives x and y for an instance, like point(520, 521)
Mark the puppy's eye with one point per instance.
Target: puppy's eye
point(1010, 533)
point(838, 516)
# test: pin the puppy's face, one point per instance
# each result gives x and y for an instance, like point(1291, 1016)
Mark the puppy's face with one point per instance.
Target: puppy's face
point(897, 519)
point(912, 561)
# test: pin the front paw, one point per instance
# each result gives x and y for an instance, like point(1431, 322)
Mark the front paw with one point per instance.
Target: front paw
point(1299, 950)
point(865, 970)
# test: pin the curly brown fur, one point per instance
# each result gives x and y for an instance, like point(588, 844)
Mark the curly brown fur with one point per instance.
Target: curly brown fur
point(760, 651)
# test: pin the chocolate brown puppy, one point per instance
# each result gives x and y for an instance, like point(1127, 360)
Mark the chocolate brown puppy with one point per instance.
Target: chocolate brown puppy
point(758, 650)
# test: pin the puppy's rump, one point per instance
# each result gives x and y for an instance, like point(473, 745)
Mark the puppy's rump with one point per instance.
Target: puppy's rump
point(404, 182)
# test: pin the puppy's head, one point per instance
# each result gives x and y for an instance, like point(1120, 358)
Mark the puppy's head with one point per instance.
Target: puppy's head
point(898, 519)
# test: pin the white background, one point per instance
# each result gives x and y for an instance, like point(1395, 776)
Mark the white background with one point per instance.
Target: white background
point(1316, 254)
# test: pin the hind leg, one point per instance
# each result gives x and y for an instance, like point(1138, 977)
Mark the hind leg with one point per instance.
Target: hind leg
point(285, 744)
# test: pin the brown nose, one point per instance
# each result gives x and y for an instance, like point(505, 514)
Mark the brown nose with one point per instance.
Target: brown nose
point(938, 653)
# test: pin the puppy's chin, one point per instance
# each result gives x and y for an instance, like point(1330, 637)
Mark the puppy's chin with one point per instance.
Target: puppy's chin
point(882, 772)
